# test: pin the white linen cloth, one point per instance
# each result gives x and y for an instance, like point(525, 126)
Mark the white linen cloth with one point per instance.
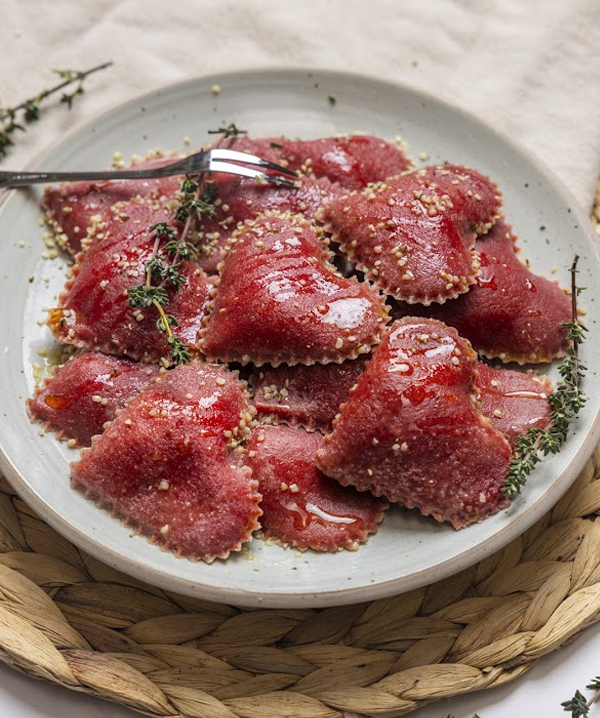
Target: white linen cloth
point(527, 67)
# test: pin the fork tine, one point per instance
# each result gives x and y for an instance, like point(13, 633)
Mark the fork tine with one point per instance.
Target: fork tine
point(217, 166)
point(248, 159)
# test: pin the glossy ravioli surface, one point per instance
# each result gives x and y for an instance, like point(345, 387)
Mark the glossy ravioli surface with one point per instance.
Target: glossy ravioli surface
point(413, 234)
point(412, 429)
point(510, 313)
point(167, 465)
point(86, 392)
point(280, 300)
point(301, 506)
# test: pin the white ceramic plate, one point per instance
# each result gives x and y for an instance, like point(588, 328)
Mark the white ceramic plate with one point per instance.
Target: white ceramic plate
point(408, 551)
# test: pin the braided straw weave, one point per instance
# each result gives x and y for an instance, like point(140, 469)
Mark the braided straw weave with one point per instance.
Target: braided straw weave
point(67, 618)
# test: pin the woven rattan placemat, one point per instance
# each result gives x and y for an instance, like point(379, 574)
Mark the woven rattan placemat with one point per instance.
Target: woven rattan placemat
point(69, 619)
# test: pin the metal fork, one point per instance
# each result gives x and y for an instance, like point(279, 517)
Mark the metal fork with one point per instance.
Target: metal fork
point(215, 160)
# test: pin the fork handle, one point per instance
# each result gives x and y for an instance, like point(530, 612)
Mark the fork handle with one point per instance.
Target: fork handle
point(24, 179)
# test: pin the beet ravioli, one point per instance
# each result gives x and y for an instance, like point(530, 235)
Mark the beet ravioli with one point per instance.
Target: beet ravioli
point(239, 200)
point(94, 311)
point(513, 400)
point(280, 300)
point(309, 396)
point(412, 429)
point(410, 415)
point(86, 392)
point(510, 313)
point(79, 211)
point(171, 464)
point(413, 234)
point(301, 506)
point(351, 161)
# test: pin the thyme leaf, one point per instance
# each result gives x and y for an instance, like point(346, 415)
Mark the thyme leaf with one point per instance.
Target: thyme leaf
point(179, 350)
point(167, 320)
point(163, 230)
point(198, 199)
point(594, 684)
point(157, 268)
point(565, 404)
point(144, 296)
point(174, 277)
point(578, 705)
point(182, 250)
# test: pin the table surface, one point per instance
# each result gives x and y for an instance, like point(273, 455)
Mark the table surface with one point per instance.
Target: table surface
point(539, 692)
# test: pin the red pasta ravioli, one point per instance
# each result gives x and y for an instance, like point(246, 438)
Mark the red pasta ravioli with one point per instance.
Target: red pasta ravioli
point(280, 301)
point(86, 392)
point(75, 210)
point(301, 506)
point(510, 313)
point(122, 221)
point(167, 465)
point(94, 311)
point(327, 167)
point(412, 429)
point(305, 395)
point(514, 401)
point(352, 161)
point(238, 200)
point(311, 396)
point(413, 235)
point(413, 417)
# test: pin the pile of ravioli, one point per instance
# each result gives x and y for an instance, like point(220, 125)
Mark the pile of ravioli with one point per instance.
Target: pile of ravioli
point(342, 335)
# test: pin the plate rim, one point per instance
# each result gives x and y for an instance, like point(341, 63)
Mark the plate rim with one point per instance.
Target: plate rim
point(345, 595)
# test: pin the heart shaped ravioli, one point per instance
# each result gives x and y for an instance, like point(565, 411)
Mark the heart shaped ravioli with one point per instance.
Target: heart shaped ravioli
point(513, 400)
point(351, 161)
point(238, 200)
point(301, 506)
point(94, 311)
point(412, 429)
point(413, 234)
point(279, 300)
point(306, 395)
point(171, 465)
point(510, 313)
point(78, 211)
point(86, 392)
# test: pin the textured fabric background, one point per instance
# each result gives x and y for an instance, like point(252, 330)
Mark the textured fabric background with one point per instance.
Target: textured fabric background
point(528, 68)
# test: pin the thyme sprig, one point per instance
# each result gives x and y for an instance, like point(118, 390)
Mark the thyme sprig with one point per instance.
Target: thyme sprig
point(565, 404)
point(162, 271)
point(198, 200)
point(579, 706)
point(230, 130)
point(13, 119)
point(165, 271)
